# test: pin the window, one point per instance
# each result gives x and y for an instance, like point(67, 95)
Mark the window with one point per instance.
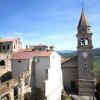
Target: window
point(53, 57)
point(7, 57)
point(46, 73)
point(14, 46)
point(82, 41)
point(19, 61)
point(36, 60)
point(4, 47)
point(15, 93)
point(0, 47)
point(2, 63)
point(16, 41)
point(86, 41)
point(85, 64)
point(83, 29)
point(8, 47)
point(73, 84)
point(40, 49)
point(27, 81)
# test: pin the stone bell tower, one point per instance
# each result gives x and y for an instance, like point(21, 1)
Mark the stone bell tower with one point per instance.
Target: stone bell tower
point(85, 57)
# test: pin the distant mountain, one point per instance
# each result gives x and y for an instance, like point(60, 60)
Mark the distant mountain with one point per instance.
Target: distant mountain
point(71, 53)
point(67, 53)
point(96, 52)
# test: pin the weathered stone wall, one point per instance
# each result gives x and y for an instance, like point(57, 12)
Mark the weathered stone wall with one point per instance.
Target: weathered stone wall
point(7, 88)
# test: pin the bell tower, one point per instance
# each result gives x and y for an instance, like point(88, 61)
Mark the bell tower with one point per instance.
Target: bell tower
point(85, 57)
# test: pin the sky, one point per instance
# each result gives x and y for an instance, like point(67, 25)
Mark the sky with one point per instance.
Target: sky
point(50, 22)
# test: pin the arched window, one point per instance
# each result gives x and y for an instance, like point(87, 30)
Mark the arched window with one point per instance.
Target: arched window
point(85, 64)
point(2, 63)
point(82, 41)
point(86, 41)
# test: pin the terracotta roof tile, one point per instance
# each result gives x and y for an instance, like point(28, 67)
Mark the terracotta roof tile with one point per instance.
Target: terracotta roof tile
point(30, 54)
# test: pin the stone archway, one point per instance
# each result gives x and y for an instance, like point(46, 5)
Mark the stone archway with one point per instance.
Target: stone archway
point(5, 97)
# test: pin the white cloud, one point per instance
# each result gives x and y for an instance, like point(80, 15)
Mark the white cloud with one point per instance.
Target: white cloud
point(19, 34)
point(61, 41)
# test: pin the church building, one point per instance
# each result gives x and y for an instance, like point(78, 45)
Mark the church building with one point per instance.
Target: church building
point(77, 71)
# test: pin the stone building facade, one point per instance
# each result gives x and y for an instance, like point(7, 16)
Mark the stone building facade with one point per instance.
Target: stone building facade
point(16, 89)
point(7, 47)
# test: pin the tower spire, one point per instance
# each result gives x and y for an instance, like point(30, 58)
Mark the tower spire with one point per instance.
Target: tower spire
point(82, 5)
point(83, 20)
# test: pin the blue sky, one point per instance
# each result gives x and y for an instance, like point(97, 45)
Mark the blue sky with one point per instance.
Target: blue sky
point(51, 22)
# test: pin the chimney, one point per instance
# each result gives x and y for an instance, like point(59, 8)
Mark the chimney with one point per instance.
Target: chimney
point(51, 48)
point(26, 47)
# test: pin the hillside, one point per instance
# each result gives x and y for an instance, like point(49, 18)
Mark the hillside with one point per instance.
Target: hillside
point(96, 54)
point(71, 53)
point(96, 63)
point(67, 53)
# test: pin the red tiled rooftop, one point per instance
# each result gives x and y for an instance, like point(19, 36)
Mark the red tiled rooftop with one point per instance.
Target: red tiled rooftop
point(30, 54)
point(7, 39)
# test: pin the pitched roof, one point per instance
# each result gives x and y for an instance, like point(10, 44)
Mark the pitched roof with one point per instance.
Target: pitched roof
point(30, 54)
point(83, 20)
point(8, 39)
point(70, 59)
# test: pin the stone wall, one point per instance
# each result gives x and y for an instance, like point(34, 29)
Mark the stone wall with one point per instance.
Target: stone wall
point(7, 89)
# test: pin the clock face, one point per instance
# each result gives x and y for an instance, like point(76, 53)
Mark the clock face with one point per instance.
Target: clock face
point(85, 54)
